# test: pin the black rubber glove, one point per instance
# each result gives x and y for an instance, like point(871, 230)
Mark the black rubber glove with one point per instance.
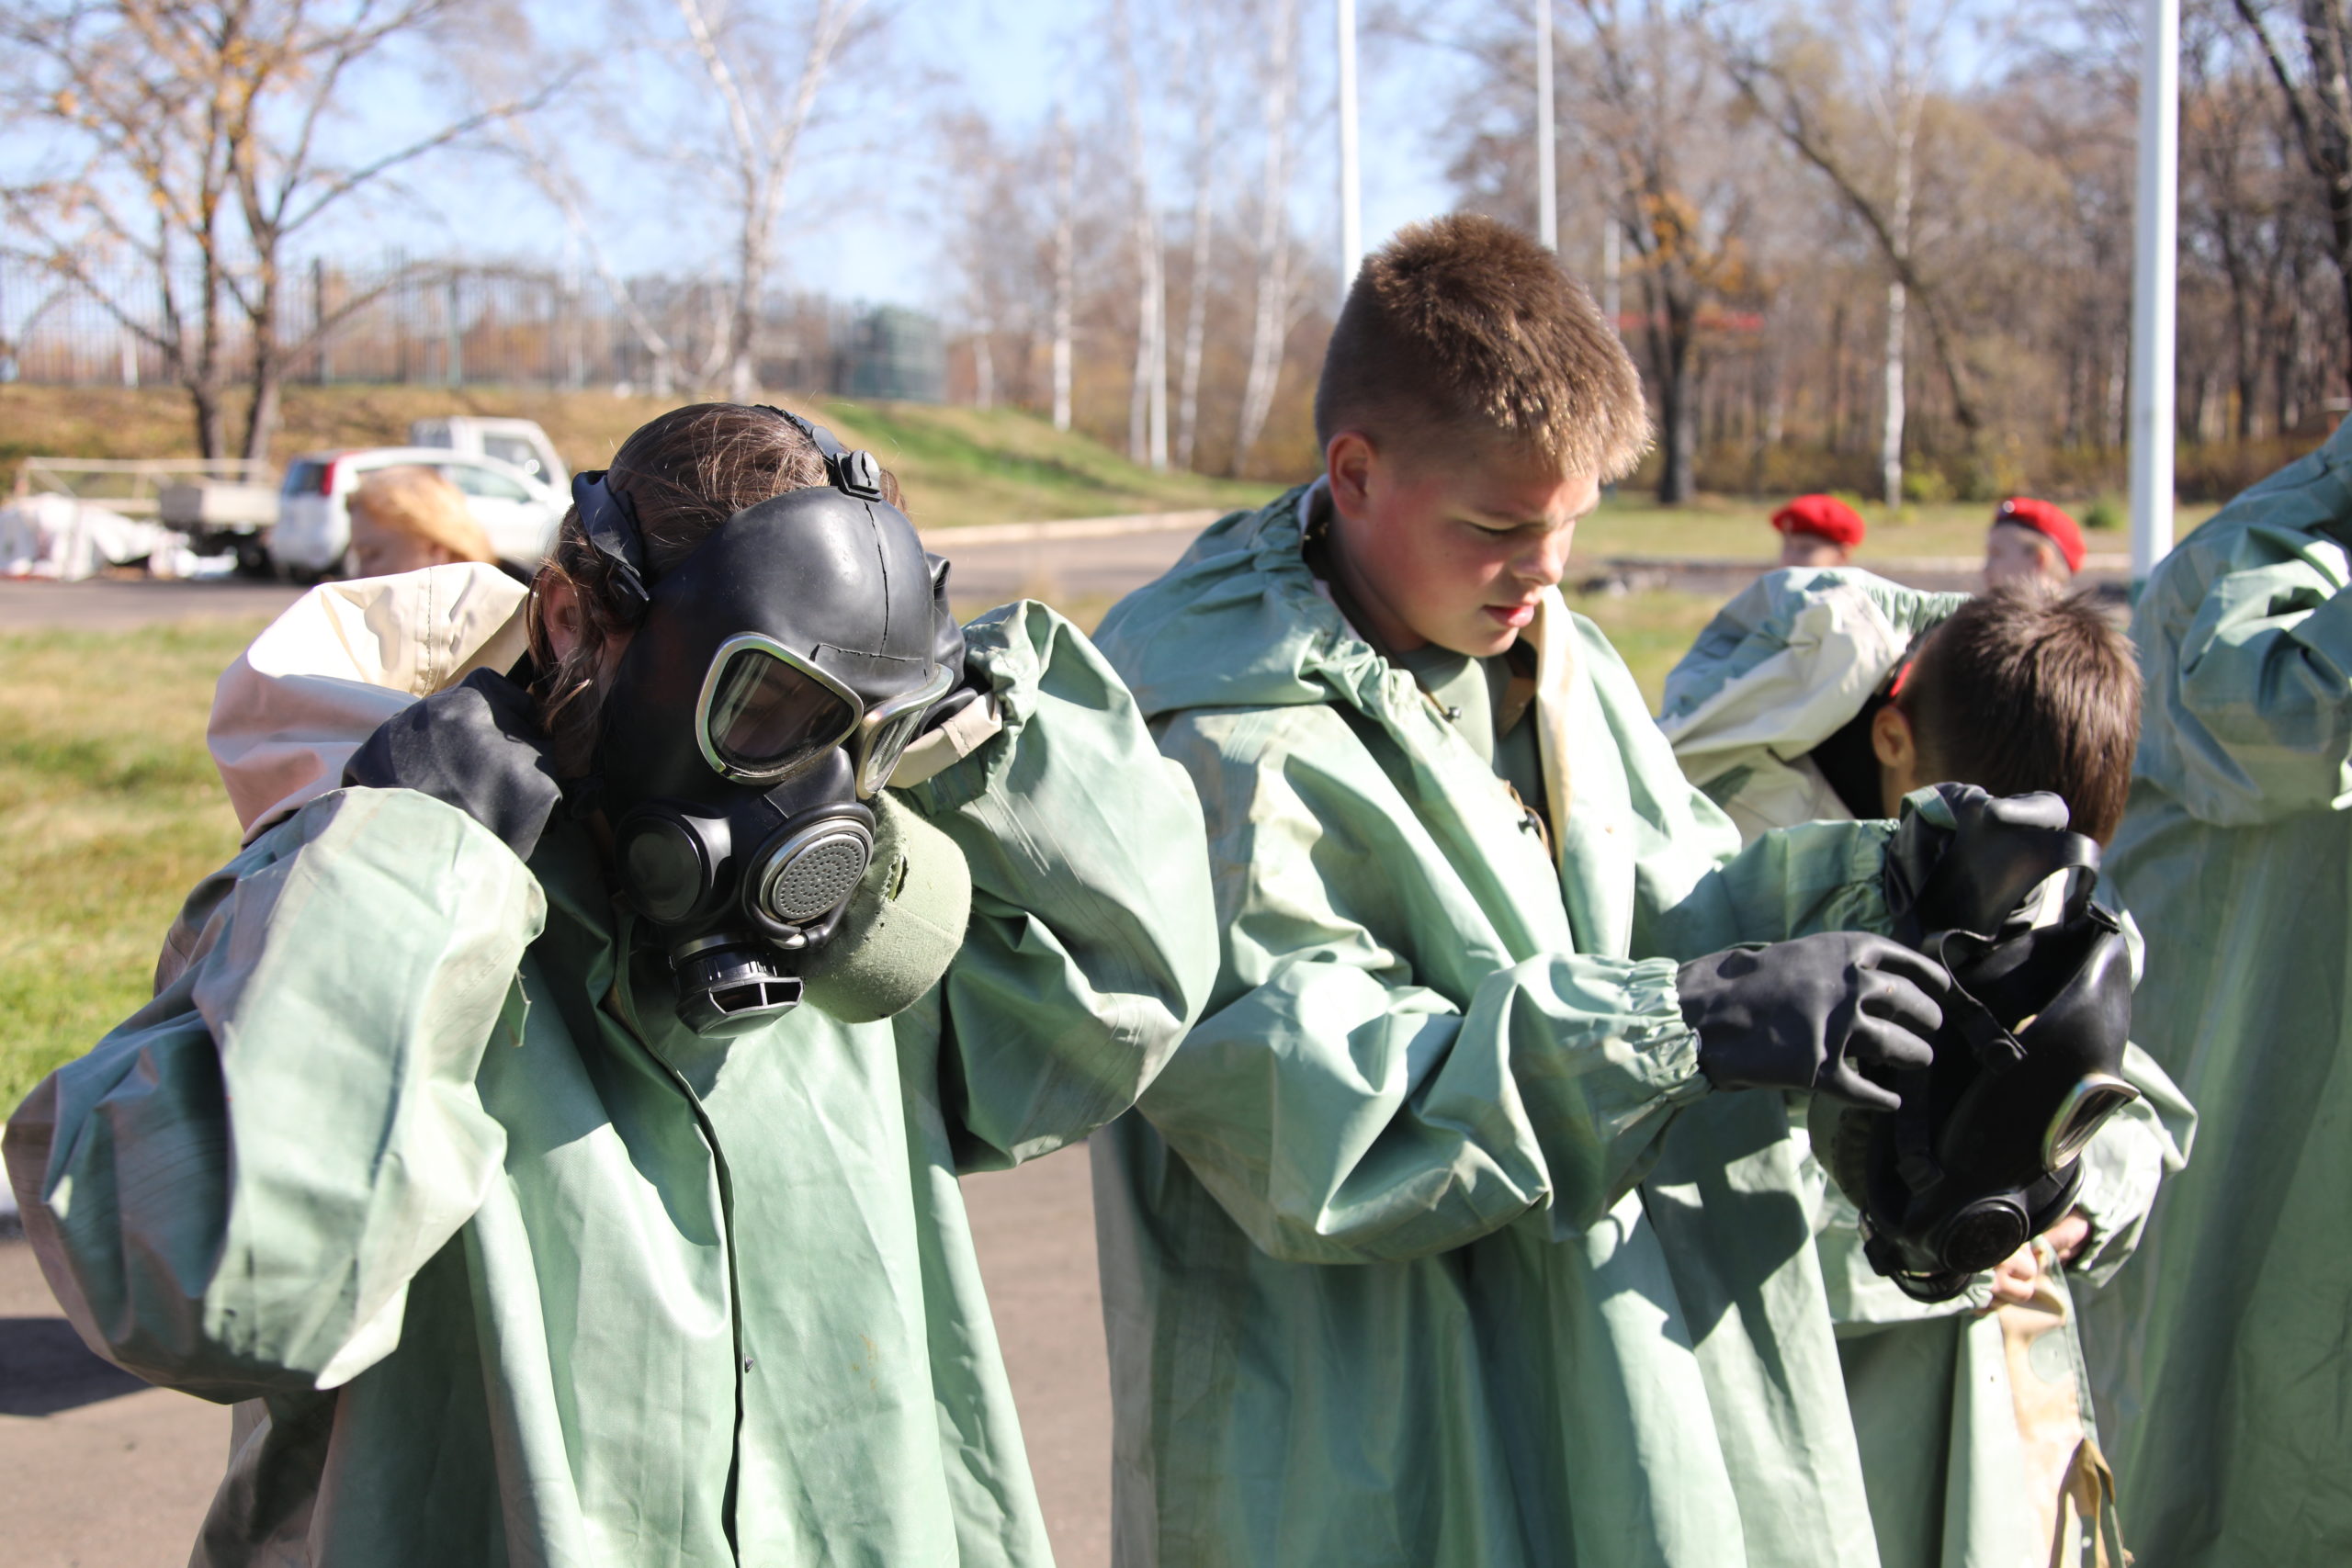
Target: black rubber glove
point(1805, 1014)
point(476, 746)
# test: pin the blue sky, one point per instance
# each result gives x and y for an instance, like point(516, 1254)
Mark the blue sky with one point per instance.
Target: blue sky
point(1010, 57)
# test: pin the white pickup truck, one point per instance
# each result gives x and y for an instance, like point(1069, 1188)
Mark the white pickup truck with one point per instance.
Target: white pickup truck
point(519, 442)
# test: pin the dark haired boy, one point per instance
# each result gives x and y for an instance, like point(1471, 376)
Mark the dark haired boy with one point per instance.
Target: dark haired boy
point(1385, 1278)
point(1829, 695)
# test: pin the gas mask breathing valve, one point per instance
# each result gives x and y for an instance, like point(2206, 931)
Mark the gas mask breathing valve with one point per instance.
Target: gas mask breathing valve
point(756, 917)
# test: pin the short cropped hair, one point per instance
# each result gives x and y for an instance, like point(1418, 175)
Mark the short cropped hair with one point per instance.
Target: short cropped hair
point(1464, 327)
point(2025, 689)
point(420, 504)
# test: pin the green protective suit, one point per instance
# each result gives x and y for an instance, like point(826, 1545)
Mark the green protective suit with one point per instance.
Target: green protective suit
point(1380, 1285)
point(410, 1156)
point(2222, 1363)
point(1968, 1417)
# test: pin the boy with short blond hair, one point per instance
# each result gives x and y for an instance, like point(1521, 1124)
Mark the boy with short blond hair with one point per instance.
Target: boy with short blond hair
point(1446, 1238)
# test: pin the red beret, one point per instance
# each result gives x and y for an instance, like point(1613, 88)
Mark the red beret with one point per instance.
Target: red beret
point(1824, 515)
point(2047, 521)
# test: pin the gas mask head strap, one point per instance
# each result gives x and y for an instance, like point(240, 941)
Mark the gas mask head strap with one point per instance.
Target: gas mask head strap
point(609, 519)
point(853, 473)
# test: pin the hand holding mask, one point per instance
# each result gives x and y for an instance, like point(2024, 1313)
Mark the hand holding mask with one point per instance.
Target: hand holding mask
point(475, 746)
point(1811, 1013)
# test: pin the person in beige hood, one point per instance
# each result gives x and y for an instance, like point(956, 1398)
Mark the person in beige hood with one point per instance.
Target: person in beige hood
point(290, 711)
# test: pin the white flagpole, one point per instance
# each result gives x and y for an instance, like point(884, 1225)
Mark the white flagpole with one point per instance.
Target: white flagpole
point(1350, 177)
point(2155, 272)
point(1547, 178)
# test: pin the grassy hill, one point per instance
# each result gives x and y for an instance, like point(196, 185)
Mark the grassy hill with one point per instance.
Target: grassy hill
point(959, 464)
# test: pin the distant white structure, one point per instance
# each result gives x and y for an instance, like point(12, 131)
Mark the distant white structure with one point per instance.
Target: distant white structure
point(2155, 254)
point(1351, 176)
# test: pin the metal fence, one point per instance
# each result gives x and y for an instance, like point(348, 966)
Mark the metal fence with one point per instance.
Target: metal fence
point(450, 324)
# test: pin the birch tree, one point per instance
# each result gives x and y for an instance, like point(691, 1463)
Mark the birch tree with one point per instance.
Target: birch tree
point(549, 173)
point(1200, 78)
point(1148, 397)
point(1849, 103)
point(295, 77)
point(196, 138)
point(2309, 56)
point(1065, 263)
point(1272, 293)
point(765, 75)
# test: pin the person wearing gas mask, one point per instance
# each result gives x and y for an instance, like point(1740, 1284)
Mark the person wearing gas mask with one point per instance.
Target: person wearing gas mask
point(548, 1137)
point(1832, 693)
point(2222, 1371)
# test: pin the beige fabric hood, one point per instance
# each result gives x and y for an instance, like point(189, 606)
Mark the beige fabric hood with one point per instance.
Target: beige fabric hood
point(290, 711)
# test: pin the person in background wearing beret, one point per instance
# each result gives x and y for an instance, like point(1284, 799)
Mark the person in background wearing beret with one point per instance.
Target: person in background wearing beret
point(2031, 541)
point(1818, 530)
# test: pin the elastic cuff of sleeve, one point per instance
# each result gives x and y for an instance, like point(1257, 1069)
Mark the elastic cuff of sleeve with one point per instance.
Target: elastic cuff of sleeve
point(1666, 1046)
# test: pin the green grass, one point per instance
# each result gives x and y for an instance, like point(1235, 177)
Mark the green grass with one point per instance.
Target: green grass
point(958, 465)
point(113, 810)
point(963, 465)
point(1727, 527)
point(1651, 629)
point(112, 813)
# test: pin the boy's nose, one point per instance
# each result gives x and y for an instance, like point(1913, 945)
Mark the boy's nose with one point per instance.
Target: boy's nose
point(1546, 561)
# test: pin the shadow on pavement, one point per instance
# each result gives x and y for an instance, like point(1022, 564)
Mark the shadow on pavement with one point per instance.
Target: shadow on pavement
point(45, 1368)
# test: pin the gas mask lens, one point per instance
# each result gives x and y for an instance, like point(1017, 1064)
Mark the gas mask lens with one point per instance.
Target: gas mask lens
point(766, 716)
point(2085, 1108)
point(885, 734)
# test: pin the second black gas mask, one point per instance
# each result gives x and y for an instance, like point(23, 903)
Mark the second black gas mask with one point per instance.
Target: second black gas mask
point(1984, 1154)
point(774, 679)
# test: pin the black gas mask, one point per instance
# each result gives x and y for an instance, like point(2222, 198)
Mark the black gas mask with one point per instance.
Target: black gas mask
point(1984, 1154)
point(775, 677)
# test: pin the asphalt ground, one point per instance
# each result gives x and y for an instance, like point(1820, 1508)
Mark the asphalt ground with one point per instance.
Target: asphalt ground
point(99, 1470)
point(1083, 570)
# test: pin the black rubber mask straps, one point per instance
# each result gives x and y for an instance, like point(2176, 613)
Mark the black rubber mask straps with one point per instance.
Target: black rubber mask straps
point(609, 519)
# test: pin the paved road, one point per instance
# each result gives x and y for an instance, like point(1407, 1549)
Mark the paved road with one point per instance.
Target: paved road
point(99, 1470)
point(1085, 573)
point(1082, 574)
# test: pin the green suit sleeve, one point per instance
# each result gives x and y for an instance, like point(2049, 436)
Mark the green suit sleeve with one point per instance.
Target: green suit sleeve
point(1349, 1099)
point(1791, 882)
point(1091, 945)
point(2259, 704)
point(231, 1191)
point(2132, 1155)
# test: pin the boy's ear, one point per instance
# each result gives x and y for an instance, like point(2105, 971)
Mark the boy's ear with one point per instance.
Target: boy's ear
point(1348, 463)
point(1892, 740)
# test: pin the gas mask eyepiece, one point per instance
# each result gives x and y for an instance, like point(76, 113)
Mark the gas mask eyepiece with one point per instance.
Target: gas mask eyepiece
point(776, 678)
